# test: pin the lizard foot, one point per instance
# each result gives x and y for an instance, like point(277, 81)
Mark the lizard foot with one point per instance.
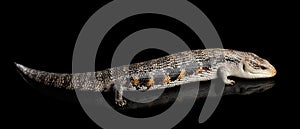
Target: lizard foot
point(121, 102)
point(229, 82)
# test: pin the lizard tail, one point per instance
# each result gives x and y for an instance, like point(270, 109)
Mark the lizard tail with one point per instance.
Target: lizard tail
point(88, 81)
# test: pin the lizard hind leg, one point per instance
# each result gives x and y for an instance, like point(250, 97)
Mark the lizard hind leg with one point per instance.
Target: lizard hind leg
point(119, 95)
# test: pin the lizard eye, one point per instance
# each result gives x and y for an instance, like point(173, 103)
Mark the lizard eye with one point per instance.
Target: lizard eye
point(263, 67)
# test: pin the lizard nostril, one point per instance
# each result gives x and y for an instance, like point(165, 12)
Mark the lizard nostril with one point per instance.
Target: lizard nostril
point(274, 72)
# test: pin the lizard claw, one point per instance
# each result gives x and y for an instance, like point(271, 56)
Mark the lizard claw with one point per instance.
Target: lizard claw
point(121, 103)
point(229, 82)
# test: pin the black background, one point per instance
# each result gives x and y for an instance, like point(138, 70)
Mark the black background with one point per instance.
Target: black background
point(42, 35)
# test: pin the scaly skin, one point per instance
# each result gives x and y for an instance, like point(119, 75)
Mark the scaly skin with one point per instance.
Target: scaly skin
point(169, 71)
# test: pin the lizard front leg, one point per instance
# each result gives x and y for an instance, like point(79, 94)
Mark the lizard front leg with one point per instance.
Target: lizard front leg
point(223, 74)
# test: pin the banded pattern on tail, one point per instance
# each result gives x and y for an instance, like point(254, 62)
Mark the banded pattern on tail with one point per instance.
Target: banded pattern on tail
point(91, 81)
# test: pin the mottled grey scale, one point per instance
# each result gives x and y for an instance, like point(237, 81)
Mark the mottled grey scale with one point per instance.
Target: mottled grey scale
point(39, 76)
point(135, 68)
point(118, 72)
point(148, 66)
point(255, 57)
point(188, 61)
point(143, 81)
point(63, 80)
point(79, 80)
point(87, 81)
point(173, 73)
point(104, 76)
point(51, 78)
point(207, 63)
point(200, 54)
point(159, 79)
point(256, 65)
point(191, 67)
point(235, 60)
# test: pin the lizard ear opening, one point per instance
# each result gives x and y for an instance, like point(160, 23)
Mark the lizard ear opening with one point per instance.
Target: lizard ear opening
point(245, 63)
point(244, 66)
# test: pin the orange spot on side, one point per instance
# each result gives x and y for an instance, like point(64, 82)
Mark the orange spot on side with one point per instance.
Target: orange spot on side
point(135, 81)
point(150, 82)
point(167, 79)
point(200, 70)
point(181, 75)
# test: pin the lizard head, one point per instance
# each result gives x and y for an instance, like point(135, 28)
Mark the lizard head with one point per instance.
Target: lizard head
point(254, 66)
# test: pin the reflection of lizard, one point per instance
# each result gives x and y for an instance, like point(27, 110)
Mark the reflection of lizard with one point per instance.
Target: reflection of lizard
point(242, 87)
point(164, 72)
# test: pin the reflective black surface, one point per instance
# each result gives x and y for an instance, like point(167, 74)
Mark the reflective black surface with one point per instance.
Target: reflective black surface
point(242, 87)
point(42, 34)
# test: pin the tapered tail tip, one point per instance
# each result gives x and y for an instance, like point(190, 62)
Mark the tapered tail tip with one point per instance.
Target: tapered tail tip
point(19, 66)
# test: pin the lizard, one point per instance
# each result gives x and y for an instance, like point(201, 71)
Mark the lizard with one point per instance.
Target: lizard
point(164, 72)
